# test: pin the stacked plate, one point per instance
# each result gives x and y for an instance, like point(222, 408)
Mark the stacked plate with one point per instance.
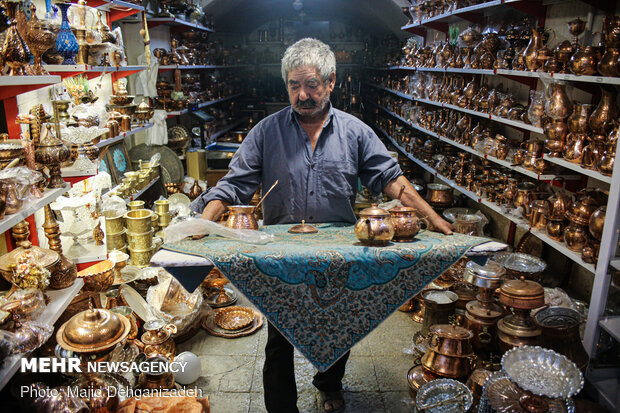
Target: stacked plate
point(232, 322)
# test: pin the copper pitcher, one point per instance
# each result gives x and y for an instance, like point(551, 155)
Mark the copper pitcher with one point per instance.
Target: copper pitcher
point(530, 53)
point(573, 152)
point(158, 340)
point(241, 217)
point(557, 104)
point(584, 61)
point(578, 120)
point(609, 65)
point(606, 111)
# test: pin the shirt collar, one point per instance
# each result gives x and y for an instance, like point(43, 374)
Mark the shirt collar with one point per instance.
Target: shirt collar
point(330, 114)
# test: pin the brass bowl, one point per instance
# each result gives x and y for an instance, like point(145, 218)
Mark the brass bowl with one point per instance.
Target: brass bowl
point(98, 277)
point(138, 221)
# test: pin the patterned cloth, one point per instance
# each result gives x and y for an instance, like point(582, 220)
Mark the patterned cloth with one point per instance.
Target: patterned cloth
point(325, 291)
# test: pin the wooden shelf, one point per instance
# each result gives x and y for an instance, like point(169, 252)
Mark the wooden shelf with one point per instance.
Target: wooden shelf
point(502, 210)
point(59, 301)
point(11, 86)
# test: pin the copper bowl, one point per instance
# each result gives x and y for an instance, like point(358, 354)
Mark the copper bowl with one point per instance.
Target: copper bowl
point(98, 277)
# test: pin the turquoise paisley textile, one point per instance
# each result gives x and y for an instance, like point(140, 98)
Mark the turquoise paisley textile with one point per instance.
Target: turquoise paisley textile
point(325, 291)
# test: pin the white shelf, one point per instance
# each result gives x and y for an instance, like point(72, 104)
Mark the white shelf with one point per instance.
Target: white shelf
point(123, 135)
point(91, 69)
point(504, 163)
point(607, 383)
point(31, 207)
point(95, 252)
point(577, 168)
point(615, 263)
point(70, 172)
point(518, 220)
point(611, 325)
point(29, 80)
point(173, 21)
point(509, 122)
point(59, 301)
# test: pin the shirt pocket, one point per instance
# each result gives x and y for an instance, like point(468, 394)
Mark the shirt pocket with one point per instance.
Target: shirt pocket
point(337, 179)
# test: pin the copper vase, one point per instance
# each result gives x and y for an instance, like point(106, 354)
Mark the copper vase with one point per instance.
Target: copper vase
point(14, 52)
point(606, 111)
point(40, 39)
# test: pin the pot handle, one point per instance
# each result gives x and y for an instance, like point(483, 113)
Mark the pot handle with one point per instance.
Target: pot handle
point(171, 328)
point(473, 359)
point(370, 234)
point(427, 224)
point(553, 38)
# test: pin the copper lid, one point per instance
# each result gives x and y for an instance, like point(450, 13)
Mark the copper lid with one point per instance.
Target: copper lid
point(488, 276)
point(42, 256)
point(522, 288)
point(93, 330)
point(451, 331)
point(374, 211)
point(303, 228)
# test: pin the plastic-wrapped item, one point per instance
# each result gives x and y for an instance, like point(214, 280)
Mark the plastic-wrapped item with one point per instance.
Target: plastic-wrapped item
point(198, 226)
point(22, 179)
point(7, 345)
point(27, 303)
point(114, 203)
point(30, 336)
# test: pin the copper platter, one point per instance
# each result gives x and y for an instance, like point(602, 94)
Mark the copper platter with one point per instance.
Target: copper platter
point(213, 329)
point(234, 318)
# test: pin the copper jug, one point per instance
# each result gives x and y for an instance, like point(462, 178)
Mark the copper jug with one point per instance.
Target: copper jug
point(609, 65)
point(525, 195)
point(158, 340)
point(573, 152)
point(558, 205)
point(530, 53)
point(578, 120)
point(241, 217)
point(558, 104)
point(556, 132)
point(606, 111)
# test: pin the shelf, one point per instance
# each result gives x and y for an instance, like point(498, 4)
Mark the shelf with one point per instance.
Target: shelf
point(11, 86)
point(202, 105)
point(118, 9)
point(615, 263)
point(31, 207)
point(606, 382)
point(516, 73)
point(181, 25)
point(123, 135)
point(509, 122)
point(611, 325)
point(504, 163)
point(140, 192)
point(59, 301)
point(518, 220)
point(95, 252)
point(163, 68)
point(65, 71)
point(453, 16)
point(577, 168)
point(227, 129)
point(70, 172)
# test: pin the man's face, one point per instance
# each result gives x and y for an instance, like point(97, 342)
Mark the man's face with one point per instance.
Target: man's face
point(307, 92)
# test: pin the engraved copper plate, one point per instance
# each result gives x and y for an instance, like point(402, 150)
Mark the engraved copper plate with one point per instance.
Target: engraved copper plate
point(234, 318)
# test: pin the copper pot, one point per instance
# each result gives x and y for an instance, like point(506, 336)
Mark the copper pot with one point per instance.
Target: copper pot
point(576, 237)
point(525, 195)
point(538, 214)
point(584, 61)
point(468, 224)
point(439, 194)
point(406, 223)
point(560, 332)
point(241, 217)
point(513, 332)
point(581, 210)
point(522, 294)
point(450, 340)
point(609, 65)
point(47, 259)
point(558, 205)
point(448, 366)
point(597, 222)
point(555, 229)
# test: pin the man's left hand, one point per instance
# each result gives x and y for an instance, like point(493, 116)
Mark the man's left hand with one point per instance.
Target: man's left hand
point(441, 225)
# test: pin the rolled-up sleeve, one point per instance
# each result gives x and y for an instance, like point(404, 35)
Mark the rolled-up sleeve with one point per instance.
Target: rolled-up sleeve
point(376, 167)
point(241, 182)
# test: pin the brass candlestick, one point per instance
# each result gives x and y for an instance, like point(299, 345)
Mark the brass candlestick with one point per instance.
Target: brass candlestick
point(21, 233)
point(67, 272)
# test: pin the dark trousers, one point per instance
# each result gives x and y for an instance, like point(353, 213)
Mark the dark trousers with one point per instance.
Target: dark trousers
point(279, 374)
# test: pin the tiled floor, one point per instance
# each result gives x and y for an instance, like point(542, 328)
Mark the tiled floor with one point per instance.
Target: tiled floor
point(375, 380)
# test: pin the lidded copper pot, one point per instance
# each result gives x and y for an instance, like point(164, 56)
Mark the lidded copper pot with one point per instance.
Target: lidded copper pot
point(449, 353)
point(518, 329)
point(482, 314)
point(374, 227)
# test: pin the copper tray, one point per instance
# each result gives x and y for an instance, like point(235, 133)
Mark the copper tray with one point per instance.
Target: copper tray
point(212, 328)
point(234, 318)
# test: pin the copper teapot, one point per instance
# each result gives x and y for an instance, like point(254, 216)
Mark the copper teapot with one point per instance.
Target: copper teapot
point(158, 340)
point(375, 226)
point(406, 223)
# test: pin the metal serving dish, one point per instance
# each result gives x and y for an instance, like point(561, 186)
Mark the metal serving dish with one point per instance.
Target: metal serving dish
point(519, 265)
point(435, 397)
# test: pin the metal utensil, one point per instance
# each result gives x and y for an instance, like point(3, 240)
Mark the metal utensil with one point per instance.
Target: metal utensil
point(267, 193)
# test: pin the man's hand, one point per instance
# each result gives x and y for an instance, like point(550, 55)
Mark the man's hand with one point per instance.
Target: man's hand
point(441, 225)
point(212, 212)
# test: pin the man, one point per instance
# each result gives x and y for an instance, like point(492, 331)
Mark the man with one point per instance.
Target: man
point(316, 153)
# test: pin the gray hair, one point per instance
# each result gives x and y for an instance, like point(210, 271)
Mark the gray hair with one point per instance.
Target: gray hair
point(309, 52)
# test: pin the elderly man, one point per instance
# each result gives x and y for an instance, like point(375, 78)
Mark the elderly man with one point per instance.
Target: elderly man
point(317, 153)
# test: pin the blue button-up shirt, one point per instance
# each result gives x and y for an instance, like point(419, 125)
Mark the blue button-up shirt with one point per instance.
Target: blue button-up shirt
point(319, 185)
